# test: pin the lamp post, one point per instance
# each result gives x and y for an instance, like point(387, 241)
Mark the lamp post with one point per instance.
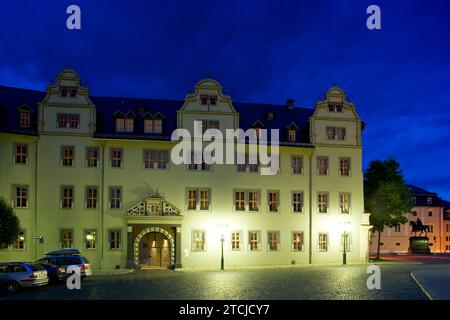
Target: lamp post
point(222, 229)
point(346, 227)
point(222, 261)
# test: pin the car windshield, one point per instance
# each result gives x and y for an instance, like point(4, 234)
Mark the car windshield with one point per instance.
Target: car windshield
point(35, 267)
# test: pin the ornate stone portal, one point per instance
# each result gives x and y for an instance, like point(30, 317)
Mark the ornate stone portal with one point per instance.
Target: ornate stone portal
point(154, 214)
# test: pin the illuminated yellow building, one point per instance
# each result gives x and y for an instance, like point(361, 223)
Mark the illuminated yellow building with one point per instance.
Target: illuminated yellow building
point(95, 173)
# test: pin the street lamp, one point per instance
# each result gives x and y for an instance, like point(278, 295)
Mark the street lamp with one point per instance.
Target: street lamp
point(346, 228)
point(222, 228)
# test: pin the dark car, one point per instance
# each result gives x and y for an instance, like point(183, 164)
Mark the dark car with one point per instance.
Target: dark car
point(67, 257)
point(55, 273)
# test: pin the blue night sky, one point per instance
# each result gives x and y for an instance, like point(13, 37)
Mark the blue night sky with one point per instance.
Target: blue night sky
point(260, 51)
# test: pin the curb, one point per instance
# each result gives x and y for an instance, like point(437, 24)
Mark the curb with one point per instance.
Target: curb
point(421, 287)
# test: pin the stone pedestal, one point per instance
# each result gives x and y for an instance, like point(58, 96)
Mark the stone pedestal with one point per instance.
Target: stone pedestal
point(419, 245)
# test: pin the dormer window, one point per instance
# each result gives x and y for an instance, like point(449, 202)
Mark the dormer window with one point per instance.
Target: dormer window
point(124, 124)
point(153, 125)
point(429, 200)
point(292, 135)
point(208, 100)
point(73, 92)
point(63, 91)
point(270, 116)
point(335, 107)
point(129, 125)
point(25, 119)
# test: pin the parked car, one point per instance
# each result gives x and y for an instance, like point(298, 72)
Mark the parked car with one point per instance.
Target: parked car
point(17, 275)
point(67, 257)
point(55, 273)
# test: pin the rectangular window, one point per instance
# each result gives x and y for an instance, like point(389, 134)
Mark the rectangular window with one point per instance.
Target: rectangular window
point(213, 124)
point(73, 92)
point(204, 199)
point(92, 157)
point(192, 199)
point(156, 159)
point(273, 240)
point(297, 241)
point(323, 242)
point(273, 201)
point(297, 164)
point(157, 126)
point(397, 228)
point(148, 126)
point(346, 242)
point(74, 121)
point(447, 227)
point(25, 119)
point(344, 199)
point(344, 167)
point(66, 239)
point(62, 120)
point(19, 243)
point(198, 240)
point(322, 202)
point(236, 240)
point(91, 197)
point(21, 153)
point(322, 166)
point(292, 135)
point(239, 201)
point(120, 124)
point(253, 201)
point(67, 197)
point(114, 239)
point(331, 133)
point(297, 202)
point(193, 165)
point(340, 133)
point(115, 197)
point(63, 91)
point(212, 100)
point(129, 125)
point(67, 156)
point(431, 228)
point(247, 166)
point(204, 100)
point(339, 107)
point(254, 240)
point(116, 158)
point(20, 196)
point(90, 239)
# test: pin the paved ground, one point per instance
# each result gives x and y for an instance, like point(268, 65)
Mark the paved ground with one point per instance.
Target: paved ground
point(332, 282)
point(435, 283)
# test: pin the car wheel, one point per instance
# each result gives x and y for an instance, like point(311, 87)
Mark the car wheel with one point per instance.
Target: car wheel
point(12, 287)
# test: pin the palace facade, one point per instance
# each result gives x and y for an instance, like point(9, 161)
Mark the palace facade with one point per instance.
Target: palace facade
point(433, 211)
point(95, 173)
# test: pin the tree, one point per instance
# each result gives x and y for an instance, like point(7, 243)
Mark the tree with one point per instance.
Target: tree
point(9, 224)
point(386, 196)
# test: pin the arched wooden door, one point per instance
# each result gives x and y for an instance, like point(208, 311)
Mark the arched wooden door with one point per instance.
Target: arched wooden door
point(154, 251)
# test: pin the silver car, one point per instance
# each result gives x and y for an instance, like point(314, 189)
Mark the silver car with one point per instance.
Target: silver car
point(17, 275)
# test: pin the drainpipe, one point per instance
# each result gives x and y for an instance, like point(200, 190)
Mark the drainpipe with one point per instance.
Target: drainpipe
point(310, 208)
point(102, 205)
point(36, 140)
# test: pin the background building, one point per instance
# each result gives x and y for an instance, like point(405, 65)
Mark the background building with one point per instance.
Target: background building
point(432, 211)
point(95, 173)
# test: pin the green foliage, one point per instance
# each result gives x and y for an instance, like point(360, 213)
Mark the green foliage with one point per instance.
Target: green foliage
point(386, 196)
point(9, 224)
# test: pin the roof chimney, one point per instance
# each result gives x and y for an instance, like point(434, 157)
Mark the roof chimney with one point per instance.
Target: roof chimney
point(290, 103)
